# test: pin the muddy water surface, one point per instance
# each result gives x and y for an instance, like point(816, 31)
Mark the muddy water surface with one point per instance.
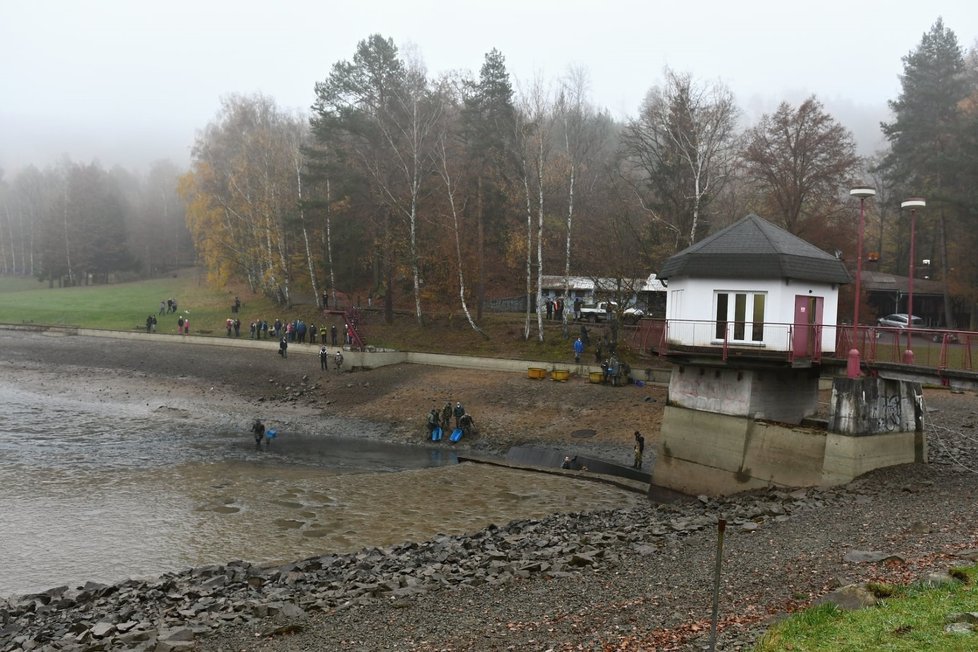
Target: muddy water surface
point(104, 489)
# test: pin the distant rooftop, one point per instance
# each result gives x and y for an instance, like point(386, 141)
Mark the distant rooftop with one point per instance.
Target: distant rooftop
point(587, 283)
point(754, 248)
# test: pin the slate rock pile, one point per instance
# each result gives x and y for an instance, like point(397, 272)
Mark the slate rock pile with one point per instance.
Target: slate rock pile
point(174, 610)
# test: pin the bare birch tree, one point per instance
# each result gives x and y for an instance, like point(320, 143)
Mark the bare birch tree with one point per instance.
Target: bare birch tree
point(295, 137)
point(576, 116)
point(537, 108)
point(448, 159)
point(684, 143)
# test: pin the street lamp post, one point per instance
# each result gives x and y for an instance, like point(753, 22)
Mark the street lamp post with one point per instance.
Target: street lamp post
point(913, 204)
point(863, 192)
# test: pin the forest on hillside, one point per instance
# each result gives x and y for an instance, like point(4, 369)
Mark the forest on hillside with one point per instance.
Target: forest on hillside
point(438, 193)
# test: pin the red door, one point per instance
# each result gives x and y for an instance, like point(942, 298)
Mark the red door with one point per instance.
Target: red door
point(808, 313)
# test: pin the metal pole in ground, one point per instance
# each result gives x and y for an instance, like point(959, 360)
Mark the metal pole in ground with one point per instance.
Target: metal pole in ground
point(721, 527)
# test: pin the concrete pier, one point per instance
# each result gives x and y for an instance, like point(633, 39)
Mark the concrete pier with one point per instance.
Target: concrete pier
point(873, 423)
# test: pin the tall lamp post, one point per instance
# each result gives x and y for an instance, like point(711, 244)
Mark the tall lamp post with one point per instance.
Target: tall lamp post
point(913, 204)
point(863, 192)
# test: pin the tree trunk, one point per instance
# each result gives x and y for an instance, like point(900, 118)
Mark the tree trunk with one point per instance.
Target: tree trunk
point(415, 267)
point(310, 263)
point(450, 191)
point(389, 294)
point(540, 240)
point(329, 242)
point(388, 273)
point(948, 313)
point(480, 289)
point(67, 239)
point(529, 253)
point(567, 247)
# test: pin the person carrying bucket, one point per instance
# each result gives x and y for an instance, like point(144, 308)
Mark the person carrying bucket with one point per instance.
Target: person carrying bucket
point(258, 430)
point(433, 420)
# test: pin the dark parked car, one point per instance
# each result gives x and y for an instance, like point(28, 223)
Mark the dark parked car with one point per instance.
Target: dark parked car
point(938, 336)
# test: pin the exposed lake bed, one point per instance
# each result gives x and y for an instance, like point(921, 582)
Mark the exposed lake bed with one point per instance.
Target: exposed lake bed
point(631, 578)
point(120, 472)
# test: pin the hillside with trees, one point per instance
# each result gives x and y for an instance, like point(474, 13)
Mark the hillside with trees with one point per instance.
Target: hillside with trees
point(436, 194)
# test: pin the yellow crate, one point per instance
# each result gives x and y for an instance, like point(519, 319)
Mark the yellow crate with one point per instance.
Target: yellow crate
point(536, 373)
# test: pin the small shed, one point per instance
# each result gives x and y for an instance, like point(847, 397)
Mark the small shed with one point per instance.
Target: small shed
point(753, 285)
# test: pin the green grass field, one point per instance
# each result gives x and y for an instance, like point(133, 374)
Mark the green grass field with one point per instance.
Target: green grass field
point(912, 619)
point(125, 306)
point(121, 306)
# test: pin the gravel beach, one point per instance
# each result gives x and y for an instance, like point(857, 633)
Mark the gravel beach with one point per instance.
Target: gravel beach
point(635, 579)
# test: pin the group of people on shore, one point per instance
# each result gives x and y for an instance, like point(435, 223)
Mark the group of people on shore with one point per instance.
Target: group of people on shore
point(613, 369)
point(443, 419)
point(295, 331)
point(168, 306)
point(555, 307)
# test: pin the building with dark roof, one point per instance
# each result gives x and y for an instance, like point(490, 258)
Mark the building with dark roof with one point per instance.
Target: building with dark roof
point(749, 312)
point(753, 285)
point(754, 248)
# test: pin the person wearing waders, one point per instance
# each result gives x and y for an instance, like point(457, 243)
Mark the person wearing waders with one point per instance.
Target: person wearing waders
point(338, 361)
point(458, 412)
point(446, 415)
point(258, 429)
point(323, 358)
point(432, 421)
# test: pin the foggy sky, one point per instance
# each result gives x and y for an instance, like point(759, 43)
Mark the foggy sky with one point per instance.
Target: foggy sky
point(125, 83)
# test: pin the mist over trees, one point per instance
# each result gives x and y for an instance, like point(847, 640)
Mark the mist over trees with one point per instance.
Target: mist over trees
point(76, 224)
point(442, 193)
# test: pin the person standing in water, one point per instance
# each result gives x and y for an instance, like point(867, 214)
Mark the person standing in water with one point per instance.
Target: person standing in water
point(258, 430)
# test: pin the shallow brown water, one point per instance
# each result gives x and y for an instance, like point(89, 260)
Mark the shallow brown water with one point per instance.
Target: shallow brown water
point(105, 490)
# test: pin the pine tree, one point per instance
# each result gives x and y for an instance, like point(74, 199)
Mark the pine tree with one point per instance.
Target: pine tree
point(489, 127)
point(923, 133)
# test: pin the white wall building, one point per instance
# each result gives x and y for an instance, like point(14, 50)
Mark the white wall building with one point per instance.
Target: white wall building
point(754, 285)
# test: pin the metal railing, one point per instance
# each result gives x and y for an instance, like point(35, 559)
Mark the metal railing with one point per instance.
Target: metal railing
point(933, 349)
point(936, 349)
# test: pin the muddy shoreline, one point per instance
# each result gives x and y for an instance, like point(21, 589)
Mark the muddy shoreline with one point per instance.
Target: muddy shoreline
point(389, 403)
point(651, 594)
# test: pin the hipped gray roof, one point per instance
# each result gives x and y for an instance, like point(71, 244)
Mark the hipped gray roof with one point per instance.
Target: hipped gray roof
point(753, 248)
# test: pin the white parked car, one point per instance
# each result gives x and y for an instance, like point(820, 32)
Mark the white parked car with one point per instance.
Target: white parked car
point(899, 320)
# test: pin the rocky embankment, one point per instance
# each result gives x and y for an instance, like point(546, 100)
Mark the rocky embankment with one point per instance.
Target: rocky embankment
point(174, 610)
point(196, 607)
